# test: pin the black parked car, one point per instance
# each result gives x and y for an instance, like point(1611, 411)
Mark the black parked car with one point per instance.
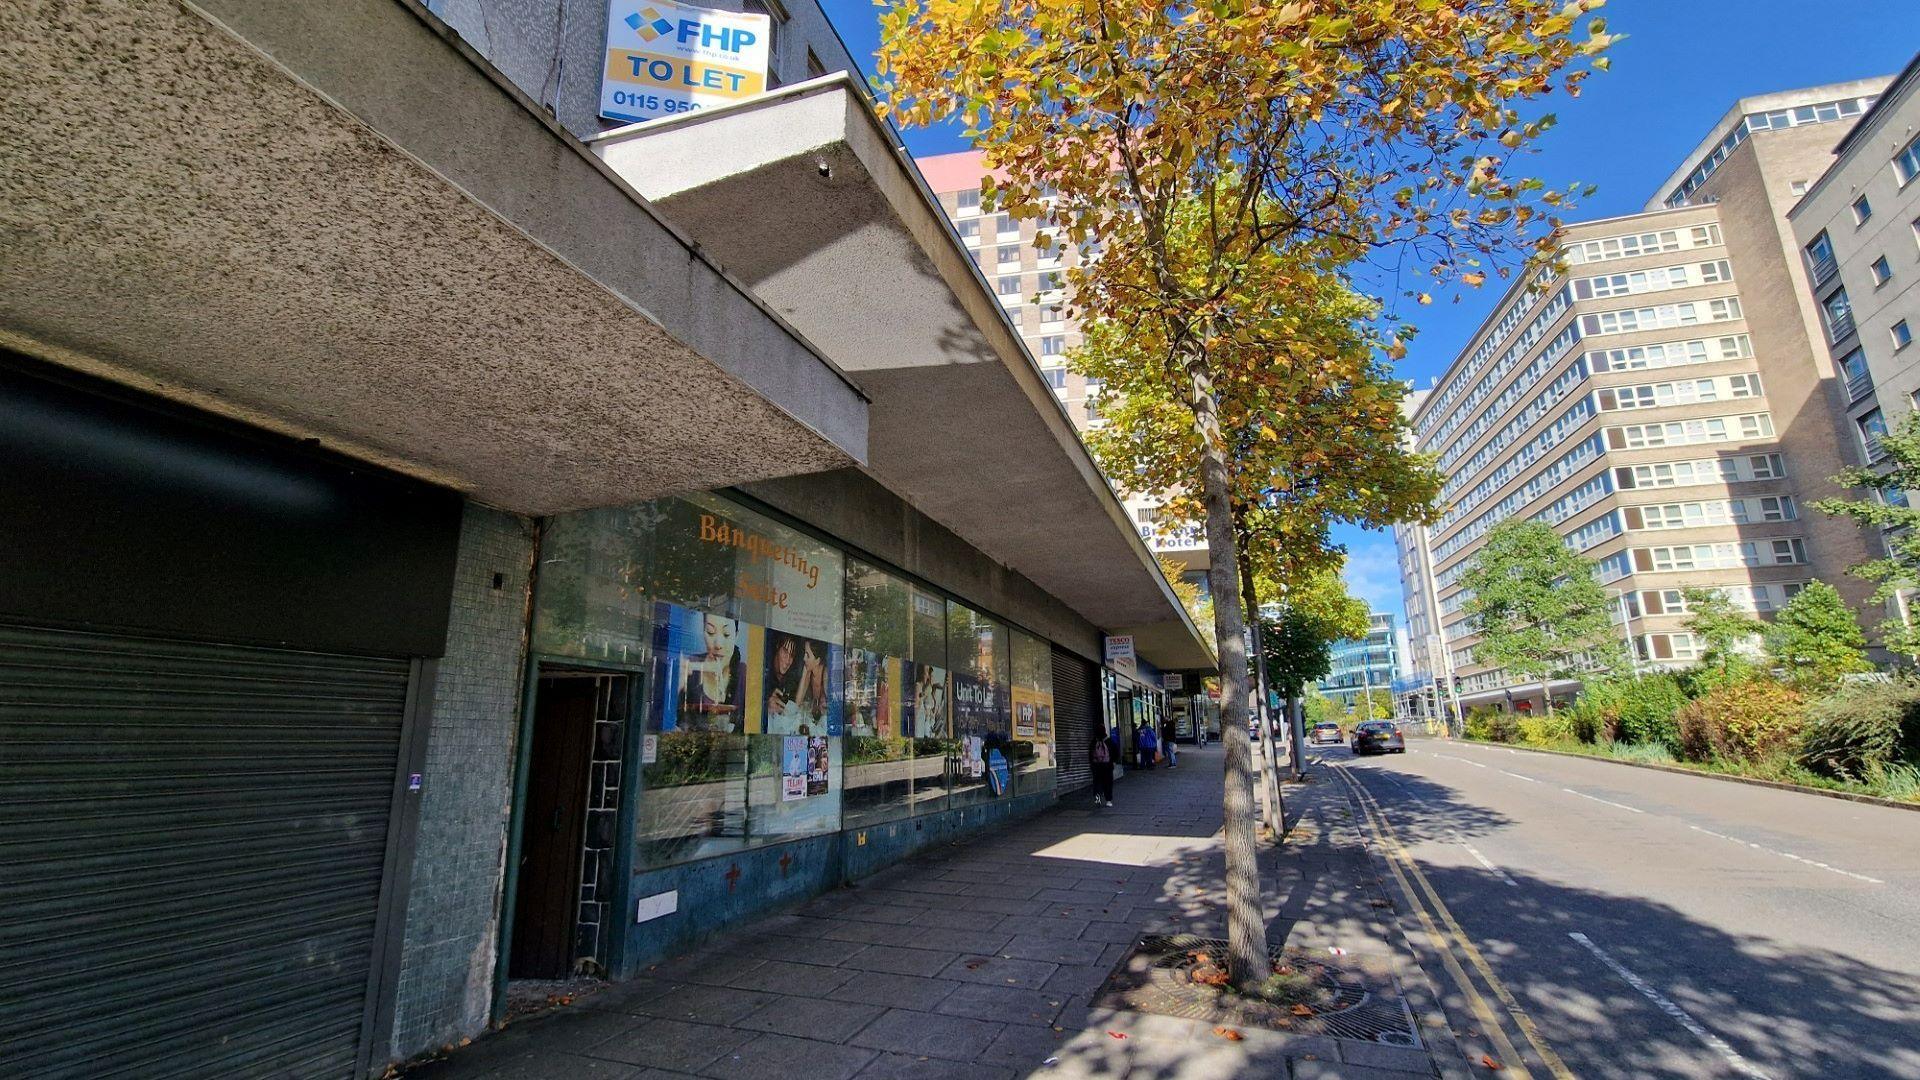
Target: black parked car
point(1378, 737)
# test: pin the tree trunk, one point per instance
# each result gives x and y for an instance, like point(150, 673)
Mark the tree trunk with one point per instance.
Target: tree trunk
point(1546, 693)
point(1269, 763)
point(1248, 964)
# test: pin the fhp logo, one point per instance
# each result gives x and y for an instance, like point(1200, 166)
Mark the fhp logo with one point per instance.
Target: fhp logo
point(650, 24)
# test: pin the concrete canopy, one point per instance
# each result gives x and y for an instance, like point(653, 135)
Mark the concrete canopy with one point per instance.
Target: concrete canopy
point(804, 196)
point(331, 221)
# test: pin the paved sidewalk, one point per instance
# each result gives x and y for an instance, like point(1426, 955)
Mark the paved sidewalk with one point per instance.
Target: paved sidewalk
point(980, 960)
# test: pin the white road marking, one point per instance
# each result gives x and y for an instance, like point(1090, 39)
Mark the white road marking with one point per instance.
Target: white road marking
point(1475, 852)
point(1660, 1001)
point(1789, 855)
point(1450, 757)
point(1517, 776)
point(1598, 799)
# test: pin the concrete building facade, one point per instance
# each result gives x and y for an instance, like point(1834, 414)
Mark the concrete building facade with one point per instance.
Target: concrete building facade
point(1858, 234)
point(1664, 403)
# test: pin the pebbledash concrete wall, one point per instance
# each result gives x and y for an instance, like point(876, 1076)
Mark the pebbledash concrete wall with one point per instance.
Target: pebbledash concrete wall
point(453, 906)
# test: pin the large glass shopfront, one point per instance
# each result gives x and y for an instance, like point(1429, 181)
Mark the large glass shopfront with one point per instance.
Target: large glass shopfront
point(790, 688)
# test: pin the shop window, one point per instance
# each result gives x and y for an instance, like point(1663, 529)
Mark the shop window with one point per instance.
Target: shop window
point(981, 705)
point(738, 622)
point(896, 698)
point(1033, 751)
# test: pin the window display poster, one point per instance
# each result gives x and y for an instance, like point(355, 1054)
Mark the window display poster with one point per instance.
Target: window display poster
point(794, 765)
point(802, 686)
point(972, 756)
point(979, 705)
point(806, 762)
point(873, 694)
point(1032, 715)
point(819, 764)
point(925, 710)
point(699, 669)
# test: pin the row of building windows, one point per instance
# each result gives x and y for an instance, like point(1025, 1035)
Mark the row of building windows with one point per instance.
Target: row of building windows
point(1435, 427)
point(1671, 354)
point(1708, 429)
point(1727, 470)
point(1588, 251)
point(1530, 451)
point(1594, 324)
point(1561, 469)
point(1726, 555)
point(1633, 245)
point(1708, 512)
point(1650, 475)
point(1559, 388)
point(1656, 279)
point(1516, 391)
point(1767, 121)
point(1760, 597)
point(1660, 317)
point(1678, 392)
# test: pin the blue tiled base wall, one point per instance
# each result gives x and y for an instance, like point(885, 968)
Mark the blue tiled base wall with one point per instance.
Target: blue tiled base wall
point(722, 893)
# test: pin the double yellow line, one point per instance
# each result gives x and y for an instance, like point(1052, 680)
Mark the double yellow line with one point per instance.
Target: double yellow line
point(1408, 874)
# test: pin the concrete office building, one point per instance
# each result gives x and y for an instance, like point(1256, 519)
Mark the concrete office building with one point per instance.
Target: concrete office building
point(1664, 403)
point(1858, 230)
point(1362, 664)
point(442, 551)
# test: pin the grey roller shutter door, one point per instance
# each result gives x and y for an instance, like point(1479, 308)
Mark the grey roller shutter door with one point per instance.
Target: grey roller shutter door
point(191, 848)
point(1073, 711)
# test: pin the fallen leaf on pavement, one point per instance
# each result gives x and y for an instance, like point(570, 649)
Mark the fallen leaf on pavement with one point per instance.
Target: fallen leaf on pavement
point(1118, 1034)
point(1489, 1062)
point(1302, 1010)
point(1228, 1034)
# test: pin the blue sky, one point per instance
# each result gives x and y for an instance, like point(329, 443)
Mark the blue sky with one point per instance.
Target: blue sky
point(1683, 64)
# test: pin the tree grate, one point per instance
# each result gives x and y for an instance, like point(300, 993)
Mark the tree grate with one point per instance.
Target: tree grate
point(1354, 998)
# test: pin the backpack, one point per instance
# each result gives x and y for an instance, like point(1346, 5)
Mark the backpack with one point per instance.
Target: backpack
point(1101, 754)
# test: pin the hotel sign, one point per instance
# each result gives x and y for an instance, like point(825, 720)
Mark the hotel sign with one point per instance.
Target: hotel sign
point(664, 59)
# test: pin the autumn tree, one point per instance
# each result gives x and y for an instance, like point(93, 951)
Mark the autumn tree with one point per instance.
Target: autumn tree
point(1817, 639)
point(1289, 141)
point(1890, 514)
point(1537, 606)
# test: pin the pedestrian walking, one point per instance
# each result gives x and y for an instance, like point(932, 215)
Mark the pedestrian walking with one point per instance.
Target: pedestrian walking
point(1149, 746)
point(1172, 744)
point(1101, 754)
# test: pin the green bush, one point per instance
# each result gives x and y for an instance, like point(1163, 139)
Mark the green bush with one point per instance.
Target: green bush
point(1629, 711)
point(1545, 730)
point(1749, 722)
point(1862, 730)
point(1492, 724)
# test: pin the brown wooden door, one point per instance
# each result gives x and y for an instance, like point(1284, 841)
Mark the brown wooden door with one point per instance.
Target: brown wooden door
point(546, 899)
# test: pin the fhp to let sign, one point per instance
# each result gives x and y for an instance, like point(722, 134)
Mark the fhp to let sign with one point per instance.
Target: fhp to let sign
point(664, 59)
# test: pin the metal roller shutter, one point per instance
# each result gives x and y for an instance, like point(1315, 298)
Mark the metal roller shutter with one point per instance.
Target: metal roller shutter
point(1075, 703)
point(191, 849)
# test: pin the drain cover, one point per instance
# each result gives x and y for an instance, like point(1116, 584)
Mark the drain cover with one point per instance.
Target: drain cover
point(1353, 999)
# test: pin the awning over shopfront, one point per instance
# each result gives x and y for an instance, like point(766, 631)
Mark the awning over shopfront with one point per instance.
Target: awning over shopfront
point(328, 220)
point(805, 197)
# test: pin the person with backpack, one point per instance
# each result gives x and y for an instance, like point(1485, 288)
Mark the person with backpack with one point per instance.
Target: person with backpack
point(1149, 746)
point(1101, 754)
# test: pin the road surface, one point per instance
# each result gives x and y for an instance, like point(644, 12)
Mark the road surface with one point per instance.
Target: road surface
point(1647, 924)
